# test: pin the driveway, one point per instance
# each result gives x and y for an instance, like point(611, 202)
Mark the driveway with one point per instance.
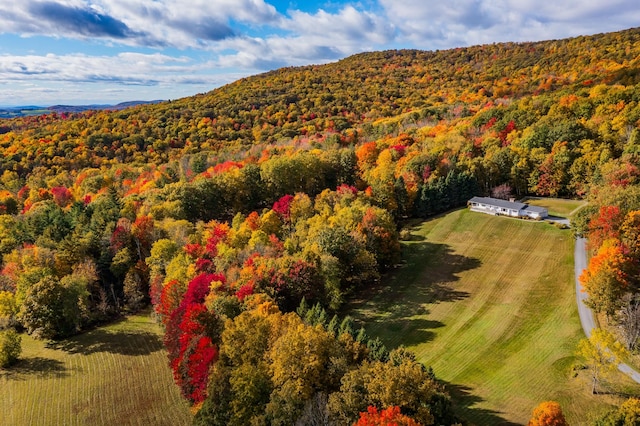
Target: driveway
point(587, 318)
point(558, 219)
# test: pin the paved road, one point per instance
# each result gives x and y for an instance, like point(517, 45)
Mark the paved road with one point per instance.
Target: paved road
point(580, 261)
point(586, 315)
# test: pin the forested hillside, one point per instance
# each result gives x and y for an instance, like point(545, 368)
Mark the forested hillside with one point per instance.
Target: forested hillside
point(229, 209)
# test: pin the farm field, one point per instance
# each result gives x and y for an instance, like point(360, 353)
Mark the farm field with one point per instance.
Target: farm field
point(113, 375)
point(489, 303)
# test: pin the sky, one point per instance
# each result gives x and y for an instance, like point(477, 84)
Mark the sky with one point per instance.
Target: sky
point(77, 52)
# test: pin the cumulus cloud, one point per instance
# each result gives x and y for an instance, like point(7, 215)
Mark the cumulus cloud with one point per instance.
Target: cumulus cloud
point(272, 37)
point(222, 40)
point(153, 23)
point(430, 24)
point(87, 22)
point(234, 38)
point(124, 68)
point(347, 26)
point(80, 78)
point(309, 38)
point(205, 24)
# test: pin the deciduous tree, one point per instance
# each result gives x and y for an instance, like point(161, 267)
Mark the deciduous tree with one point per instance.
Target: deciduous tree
point(628, 414)
point(8, 308)
point(10, 347)
point(405, 383)
point(629, 320)
point(604, 279)
point(602, 354)
point(386, 417)
point(548, 413)
point(52, 309)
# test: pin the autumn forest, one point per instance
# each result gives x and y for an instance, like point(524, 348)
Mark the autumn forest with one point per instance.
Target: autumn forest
point(247, 218)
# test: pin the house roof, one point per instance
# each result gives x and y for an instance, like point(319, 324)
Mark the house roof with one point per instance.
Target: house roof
point(498, 203)
point(535, 209)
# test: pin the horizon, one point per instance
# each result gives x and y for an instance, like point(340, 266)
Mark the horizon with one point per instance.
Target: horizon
point(77, 52)
point(103, 104)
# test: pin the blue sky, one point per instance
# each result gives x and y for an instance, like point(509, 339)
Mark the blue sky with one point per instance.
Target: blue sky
point(109, 51)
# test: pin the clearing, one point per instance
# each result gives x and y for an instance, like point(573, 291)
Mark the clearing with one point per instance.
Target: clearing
point(113, 375)
point(489, 303)
point(557, 206)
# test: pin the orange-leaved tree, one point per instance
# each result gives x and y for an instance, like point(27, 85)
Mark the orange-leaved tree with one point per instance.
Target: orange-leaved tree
point(390, 416)
point(548, 413)
point(605, 280)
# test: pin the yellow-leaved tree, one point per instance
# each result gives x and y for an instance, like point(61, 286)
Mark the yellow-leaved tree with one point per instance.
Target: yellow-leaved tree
point(602, 354)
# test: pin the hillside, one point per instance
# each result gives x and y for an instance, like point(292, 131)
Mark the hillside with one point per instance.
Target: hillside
point(489, 304)
point(228, 210)
point(339, 98)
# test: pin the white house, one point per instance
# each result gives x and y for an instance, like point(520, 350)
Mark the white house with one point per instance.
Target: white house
point(535, 212)
point(496, 206)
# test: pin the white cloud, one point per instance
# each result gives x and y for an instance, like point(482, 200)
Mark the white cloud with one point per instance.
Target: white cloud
point(438, 24)
point(301, 38)
point(80, 68)
point(348, 26)
point(62, 74)
point(81, 79)
point(204, 24)
point(312, 38)
point(140, 23)
point(222, 40)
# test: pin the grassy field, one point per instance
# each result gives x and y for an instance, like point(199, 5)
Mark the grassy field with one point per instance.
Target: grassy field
point(114, 375)
point(489, 303)
point(557, 206)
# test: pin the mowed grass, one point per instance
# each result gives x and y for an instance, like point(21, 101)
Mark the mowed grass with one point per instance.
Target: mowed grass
point(489, 303)
point(114, 375)
point(557, 206)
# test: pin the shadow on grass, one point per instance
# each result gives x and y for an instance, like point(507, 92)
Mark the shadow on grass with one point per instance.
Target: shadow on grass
point(413, 237)
point(428, 274)
point(122, 342)
point(616, 389)
point(464, 402)
point(433, 268)
point(399, 306)
point(414, 330)
point(35, 366)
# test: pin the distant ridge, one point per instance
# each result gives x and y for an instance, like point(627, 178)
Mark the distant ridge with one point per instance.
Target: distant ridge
point(79, 108)
point(21, 111)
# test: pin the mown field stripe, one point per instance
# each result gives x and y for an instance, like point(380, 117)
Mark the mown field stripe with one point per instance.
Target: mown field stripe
point(488, 302)
point(114, 375)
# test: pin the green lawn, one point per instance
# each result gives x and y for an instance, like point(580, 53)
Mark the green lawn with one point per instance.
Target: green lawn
point(489, 303)
point(557, 206)
point(114, 375)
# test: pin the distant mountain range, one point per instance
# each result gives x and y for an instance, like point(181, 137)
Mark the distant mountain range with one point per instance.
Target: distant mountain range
point(20, 111)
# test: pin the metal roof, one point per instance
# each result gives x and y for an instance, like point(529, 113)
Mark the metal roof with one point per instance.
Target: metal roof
point(535, 209)
point(498, 203)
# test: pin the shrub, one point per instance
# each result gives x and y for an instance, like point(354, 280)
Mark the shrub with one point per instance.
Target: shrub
point(10, 347)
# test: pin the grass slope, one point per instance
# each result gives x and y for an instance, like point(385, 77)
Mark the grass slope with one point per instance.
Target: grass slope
point(114, 375)
point(489, 303)
point(557, 206)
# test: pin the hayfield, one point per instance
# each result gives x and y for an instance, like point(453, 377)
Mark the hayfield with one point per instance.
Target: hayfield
point(113, 375)
point(489, 303)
